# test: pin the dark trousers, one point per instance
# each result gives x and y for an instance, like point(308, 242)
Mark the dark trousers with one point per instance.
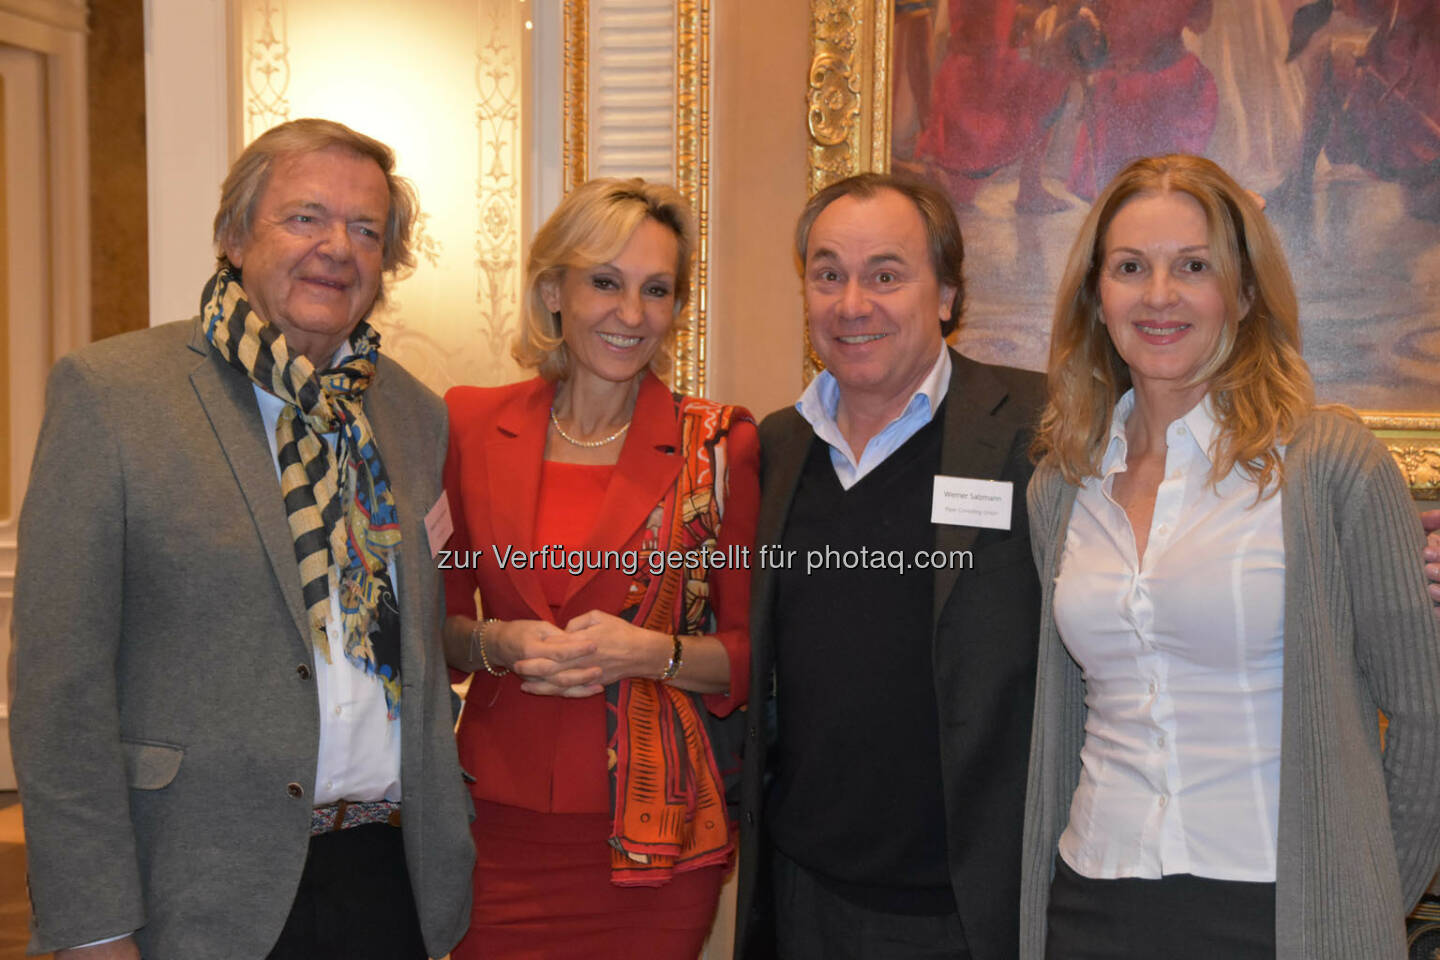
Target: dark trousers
point(814, 923)
point(354, 901)
point(1179, 917)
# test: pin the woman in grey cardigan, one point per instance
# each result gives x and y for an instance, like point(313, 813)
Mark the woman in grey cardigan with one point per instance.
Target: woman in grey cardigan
point(1230, 593)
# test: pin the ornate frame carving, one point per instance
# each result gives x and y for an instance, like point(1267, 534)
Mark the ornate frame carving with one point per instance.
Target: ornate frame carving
point(1414, 441)
point(576, 117)
point(848, 100)
point(692, 155)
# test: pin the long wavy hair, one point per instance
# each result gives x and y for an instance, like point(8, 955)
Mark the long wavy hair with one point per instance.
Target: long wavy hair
point(1259, 383)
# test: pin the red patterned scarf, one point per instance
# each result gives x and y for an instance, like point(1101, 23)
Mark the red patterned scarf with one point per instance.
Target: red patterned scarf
point(666, 791)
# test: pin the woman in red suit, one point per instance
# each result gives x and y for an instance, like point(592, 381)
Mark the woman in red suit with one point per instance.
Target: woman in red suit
point(606, 524)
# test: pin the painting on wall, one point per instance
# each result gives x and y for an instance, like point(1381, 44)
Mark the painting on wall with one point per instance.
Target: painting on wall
point(1022, 111)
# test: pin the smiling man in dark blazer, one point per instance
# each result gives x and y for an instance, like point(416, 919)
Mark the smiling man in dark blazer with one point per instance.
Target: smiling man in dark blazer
point(231, 726)
point(894, 610)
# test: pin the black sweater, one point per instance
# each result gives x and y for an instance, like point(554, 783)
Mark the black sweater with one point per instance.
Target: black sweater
point(857, 798)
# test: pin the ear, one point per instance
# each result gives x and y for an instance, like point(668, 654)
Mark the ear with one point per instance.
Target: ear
point(550, 293)
point(234, 252)
point(947, 301)
point(1244, 302)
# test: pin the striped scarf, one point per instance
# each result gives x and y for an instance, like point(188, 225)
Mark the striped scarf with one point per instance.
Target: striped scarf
point(337, 501)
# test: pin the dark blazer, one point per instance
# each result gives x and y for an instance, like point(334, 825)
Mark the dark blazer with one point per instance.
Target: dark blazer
point(986, 623)
point(165, 724)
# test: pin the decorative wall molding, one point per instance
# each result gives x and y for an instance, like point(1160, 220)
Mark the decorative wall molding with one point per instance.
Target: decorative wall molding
point(499, 191)
point(267, 68)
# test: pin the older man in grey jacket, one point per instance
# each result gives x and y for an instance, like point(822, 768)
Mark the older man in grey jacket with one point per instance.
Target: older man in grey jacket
point(231, 726)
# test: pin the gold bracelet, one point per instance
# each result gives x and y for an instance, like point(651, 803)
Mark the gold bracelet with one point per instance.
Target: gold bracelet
point(477, 643)
point(673, 667)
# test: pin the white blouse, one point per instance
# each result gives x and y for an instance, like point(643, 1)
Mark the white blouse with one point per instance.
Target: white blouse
point(1182, 655)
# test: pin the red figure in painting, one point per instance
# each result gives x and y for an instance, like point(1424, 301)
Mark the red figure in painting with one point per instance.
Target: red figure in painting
point(1376, 105)
point(1150, 96)
point(993, 102)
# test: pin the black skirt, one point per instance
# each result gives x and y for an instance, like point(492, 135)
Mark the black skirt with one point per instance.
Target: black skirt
point(1179, 917)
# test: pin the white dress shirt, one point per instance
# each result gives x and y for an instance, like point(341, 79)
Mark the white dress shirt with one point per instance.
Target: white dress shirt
point(821, 400)
point(359, 743)
point(1182, 654)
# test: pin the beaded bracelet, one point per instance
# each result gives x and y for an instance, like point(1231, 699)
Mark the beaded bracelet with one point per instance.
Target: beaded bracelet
point(477, 642)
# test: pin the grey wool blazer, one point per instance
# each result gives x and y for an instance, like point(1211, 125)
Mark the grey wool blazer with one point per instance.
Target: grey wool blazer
point(165, 725)
point(1359, 834)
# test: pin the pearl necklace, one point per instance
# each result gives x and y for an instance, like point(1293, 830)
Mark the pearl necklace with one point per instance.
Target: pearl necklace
point(585, 443)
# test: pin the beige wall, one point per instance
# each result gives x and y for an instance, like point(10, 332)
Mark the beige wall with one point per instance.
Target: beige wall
point(759, 52)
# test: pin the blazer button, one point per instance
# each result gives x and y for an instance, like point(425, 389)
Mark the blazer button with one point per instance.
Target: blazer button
point(750, 817)
point(295, 790)
point(304, 671)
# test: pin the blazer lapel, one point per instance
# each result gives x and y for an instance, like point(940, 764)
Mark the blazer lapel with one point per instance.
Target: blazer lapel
point(649, 462)
point(229, 402)
point(514, 458)
point(782, 460)
point(975, 444)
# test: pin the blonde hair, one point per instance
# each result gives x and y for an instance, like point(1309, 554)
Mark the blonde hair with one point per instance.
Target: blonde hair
point(590, 227)
point(1259, 383)
point(245, 184)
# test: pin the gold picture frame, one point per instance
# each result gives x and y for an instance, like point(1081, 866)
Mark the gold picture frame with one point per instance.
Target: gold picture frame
point(692, 156)
point(848, 101)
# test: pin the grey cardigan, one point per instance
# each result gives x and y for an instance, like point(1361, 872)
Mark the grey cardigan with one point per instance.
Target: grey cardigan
point(1359, 833)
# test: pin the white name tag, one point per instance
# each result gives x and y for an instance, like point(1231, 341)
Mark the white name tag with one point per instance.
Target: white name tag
point(438, 525)
point(964, 502)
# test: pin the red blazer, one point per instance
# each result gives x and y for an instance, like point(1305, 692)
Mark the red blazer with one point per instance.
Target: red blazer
point(548, 753)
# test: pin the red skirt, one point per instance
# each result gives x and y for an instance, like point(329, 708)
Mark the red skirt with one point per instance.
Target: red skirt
point(543, 892)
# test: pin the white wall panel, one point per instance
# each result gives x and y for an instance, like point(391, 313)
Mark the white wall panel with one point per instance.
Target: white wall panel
point(187, 144)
